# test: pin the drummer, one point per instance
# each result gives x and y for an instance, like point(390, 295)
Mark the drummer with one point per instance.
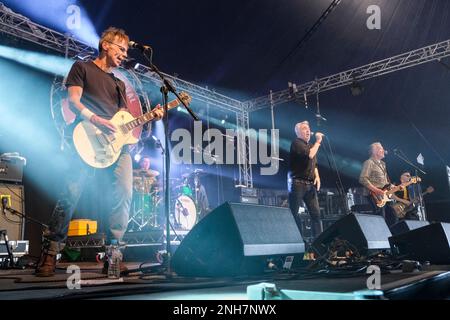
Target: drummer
point(144, 163)
point(144, 177)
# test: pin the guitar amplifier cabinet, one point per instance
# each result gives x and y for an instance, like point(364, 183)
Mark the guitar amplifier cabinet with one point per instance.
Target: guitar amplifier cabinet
point(13, 224)
point(17, 248)
point(11, 169)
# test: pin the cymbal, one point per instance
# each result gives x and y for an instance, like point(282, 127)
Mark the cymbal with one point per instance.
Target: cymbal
point(145, 173)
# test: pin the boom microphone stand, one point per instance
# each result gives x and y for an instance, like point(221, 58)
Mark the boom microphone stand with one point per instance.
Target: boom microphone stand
point(165, 89)
point(3, 233)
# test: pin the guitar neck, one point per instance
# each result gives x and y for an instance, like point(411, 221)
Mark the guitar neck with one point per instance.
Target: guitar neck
point(149, 116)
point(399, 187)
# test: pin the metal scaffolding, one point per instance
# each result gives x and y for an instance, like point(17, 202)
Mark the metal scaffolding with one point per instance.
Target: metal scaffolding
point(375, 69)
point(22, 27)
point(243, 150)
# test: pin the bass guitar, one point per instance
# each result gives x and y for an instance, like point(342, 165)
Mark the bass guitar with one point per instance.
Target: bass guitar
point(381, 200)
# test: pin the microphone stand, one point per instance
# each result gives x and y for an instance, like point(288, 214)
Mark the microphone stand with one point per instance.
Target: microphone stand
point(399, 154)
point(11, 263)
point(165, 89)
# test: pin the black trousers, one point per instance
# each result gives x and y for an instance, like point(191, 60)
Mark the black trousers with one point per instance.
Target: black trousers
point(301, 191)
point(386, 212)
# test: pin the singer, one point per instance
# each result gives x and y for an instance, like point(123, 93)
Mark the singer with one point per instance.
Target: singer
point(95, 94)
point(304, 176)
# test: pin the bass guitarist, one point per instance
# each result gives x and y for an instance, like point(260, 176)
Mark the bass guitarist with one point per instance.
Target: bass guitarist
point(96, 95)
point(374, 178)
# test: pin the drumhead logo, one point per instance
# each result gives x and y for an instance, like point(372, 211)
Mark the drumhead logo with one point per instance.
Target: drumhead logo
point(226, 148)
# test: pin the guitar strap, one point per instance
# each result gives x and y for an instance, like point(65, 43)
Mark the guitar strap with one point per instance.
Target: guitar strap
point(120, 94)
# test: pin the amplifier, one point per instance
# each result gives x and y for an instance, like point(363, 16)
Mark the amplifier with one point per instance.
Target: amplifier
point(18, 248)
point(11, 168)
point(13, 224)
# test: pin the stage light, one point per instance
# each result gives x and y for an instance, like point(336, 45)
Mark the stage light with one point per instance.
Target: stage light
point(67, 16)
point(356, 88)
point(44, 62)
point(137, 157)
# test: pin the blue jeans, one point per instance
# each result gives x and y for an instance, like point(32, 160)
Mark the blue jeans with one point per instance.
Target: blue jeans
point(115, 184)
point(301, 191)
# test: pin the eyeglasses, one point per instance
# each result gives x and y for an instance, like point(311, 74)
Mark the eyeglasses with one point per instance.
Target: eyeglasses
point(122, 49)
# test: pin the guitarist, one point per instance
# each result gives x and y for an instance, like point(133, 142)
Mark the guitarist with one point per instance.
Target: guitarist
point(405, 196)
point(95, 94)
point(407, 199)
point(374, 178)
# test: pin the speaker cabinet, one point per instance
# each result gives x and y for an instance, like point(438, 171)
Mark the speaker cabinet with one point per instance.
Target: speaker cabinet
point(238, 239)
point(13, 224)
point(429, 243)
point(368, 233)
point(407, 225)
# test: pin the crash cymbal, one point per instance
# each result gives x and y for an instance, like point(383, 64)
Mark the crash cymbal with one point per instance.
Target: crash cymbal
point(145, 173)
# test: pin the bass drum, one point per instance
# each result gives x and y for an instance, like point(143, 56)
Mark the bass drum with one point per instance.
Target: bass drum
point(185, 213)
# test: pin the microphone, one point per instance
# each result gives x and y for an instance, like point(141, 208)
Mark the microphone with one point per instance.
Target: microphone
point(135, 45)
point(319, 117)
point(386, 152)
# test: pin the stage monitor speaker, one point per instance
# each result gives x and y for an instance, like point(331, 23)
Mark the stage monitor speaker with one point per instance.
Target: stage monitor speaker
point(238, 239)
point(407, 225)
point(9, 222)
point(368, 233)
point(429, 243)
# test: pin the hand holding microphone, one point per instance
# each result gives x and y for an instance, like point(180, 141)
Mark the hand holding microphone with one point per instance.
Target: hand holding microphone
point(319, 136)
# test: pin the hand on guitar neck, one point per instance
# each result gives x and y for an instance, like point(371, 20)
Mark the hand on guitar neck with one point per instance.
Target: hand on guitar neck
point(381, 198)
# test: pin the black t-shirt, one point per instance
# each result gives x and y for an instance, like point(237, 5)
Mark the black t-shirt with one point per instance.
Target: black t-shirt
point(300, 165)
point(103, 93)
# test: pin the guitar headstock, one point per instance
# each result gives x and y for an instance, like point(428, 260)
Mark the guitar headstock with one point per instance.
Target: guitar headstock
point(430, 189)
point(185, 97)
point(415, 179)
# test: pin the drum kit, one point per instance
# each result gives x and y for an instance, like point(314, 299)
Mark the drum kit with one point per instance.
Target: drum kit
point(148, 205)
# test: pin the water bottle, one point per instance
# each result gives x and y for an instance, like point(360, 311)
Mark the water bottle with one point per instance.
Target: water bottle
point(114, 259)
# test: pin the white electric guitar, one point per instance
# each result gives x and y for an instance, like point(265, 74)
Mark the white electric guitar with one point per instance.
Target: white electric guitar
point(101, 150)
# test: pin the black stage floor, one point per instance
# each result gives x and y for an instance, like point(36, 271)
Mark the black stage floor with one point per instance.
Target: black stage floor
point(433, 282)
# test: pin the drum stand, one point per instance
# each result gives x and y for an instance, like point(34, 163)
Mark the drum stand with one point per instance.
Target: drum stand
point(140, 217)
